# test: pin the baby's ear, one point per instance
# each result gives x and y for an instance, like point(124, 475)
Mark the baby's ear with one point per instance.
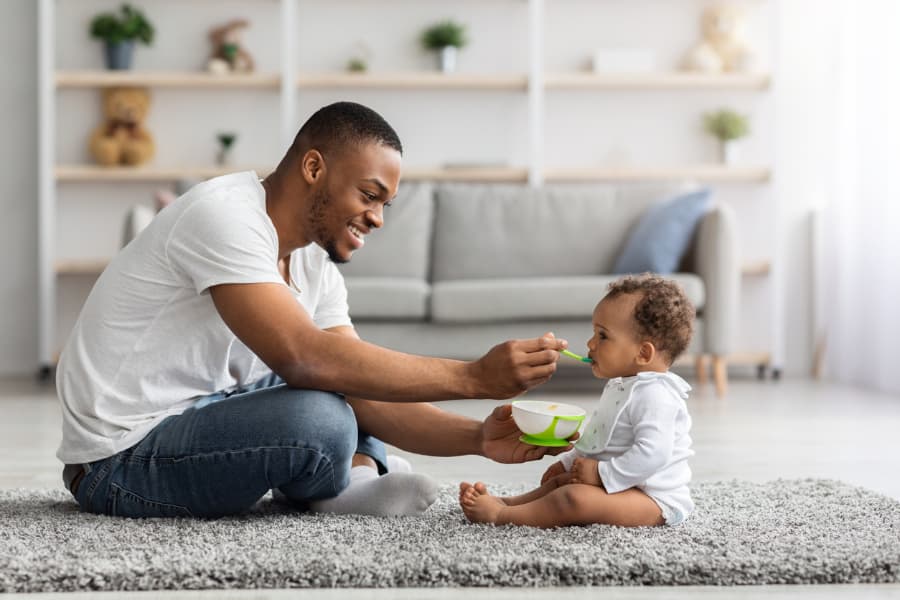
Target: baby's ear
point(646, 353)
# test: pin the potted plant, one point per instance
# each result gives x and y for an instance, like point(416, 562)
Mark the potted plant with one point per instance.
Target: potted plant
point(727, 126)
point(119, 32)
point(445, 38)
point(226, 140)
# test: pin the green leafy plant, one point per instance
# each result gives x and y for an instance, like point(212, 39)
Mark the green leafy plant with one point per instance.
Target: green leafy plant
point(226, 139)
point(357, 65)
point(445, 33)
point(129, 24)
point(726, 124)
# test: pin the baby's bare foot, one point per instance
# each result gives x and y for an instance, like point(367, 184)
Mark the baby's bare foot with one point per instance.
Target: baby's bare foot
point(478, 505)
point(463, 488)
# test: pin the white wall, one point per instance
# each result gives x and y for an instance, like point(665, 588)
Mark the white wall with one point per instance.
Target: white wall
point(18, 188)
point(582, 128)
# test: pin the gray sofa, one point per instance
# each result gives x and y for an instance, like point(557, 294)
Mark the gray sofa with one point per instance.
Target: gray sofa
point(458, 268)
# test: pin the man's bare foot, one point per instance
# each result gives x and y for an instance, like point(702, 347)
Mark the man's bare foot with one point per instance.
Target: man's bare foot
point(478, 505)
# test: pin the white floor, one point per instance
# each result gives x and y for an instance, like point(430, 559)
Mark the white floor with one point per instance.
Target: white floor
point(761, 431)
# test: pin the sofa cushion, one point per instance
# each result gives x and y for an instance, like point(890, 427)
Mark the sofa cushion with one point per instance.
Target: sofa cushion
point(662, 236)
point(387, 297)
point(530, 298)
point(489, 231)
point(402, 247)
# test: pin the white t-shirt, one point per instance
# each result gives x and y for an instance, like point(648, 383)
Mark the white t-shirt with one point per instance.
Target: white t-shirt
point(640, 433)
point(149, 341)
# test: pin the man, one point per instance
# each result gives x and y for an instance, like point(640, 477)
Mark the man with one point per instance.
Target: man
point(190, 385)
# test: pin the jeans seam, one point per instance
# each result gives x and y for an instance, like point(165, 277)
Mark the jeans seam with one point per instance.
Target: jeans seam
point(95, 481)
point(117, 490)
point(146, 459)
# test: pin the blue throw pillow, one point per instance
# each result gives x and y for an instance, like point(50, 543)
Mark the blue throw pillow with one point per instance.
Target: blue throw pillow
point(661, 238)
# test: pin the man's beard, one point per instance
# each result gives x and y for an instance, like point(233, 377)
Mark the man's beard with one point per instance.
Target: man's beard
point(317, 219)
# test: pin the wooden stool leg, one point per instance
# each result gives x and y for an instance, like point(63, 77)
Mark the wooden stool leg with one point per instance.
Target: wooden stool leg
point(701, 369)
point(720, 375)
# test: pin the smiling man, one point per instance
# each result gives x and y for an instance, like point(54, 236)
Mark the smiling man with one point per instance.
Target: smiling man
point(215, 359)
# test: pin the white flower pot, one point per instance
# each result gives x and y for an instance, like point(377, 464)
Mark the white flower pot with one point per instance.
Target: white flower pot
point(447, 59)
point(729, 152)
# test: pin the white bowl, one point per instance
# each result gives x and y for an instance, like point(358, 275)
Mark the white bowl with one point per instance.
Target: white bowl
point(534, 417)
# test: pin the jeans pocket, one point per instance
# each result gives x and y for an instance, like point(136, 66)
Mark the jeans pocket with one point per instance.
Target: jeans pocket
point(124, 503)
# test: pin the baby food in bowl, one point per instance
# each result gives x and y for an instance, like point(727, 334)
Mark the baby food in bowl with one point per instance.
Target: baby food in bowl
point(547, 423)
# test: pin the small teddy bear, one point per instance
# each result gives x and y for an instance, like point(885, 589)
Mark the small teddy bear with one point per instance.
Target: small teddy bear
point(228, 55)
point(723, 47)
point(122, 139)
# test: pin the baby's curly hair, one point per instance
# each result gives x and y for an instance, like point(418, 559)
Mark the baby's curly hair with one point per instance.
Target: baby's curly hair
point(662, 315)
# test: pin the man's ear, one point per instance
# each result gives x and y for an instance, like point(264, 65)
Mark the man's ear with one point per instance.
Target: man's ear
point(312, 167)
point(646, 353)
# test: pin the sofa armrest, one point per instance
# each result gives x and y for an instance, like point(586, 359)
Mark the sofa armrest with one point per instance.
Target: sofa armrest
point(716, 261)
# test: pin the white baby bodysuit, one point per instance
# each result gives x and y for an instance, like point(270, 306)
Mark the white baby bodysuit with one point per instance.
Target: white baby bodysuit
point(640, 433)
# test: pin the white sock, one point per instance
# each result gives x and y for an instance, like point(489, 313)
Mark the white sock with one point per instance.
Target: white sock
point(390, 495)
point(398, 464)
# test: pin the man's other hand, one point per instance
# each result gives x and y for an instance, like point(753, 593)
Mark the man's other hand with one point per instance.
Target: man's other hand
point(500, 439)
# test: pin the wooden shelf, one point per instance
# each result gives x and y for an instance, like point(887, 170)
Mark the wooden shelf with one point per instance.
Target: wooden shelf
point(84, 266)
point(710, 173)
point(96, 266)
point(410, 80)
point(414, 80)
point(474, 173)
point(94, 173)
point(172, 79)
point(757, 268)
point(662, 81)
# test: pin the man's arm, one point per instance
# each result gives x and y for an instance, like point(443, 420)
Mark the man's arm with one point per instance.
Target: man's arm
point(425, 429)
point(267, 318)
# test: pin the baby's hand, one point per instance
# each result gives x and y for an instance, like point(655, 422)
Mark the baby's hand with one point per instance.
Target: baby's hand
point(552, 471)
point(585, 470)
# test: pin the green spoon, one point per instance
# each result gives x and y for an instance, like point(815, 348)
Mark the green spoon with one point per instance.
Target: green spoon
point(583, 359)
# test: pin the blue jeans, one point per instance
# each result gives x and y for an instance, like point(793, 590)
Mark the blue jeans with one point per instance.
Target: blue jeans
point(224, 453)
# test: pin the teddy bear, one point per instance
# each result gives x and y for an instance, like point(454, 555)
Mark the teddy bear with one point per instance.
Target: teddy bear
point(122, 139)
point(228, 55)
point(723, 47)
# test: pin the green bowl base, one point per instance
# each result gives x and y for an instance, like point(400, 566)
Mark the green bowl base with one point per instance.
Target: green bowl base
point(534, 441)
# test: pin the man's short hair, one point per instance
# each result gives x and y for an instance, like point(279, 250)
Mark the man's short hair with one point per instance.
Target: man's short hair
point(335, 127)
point(663, 314)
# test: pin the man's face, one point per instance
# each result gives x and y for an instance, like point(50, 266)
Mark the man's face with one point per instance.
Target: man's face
point(351, 198)
point(614, 347)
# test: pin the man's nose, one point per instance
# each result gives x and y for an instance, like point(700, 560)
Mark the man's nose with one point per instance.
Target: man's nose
point(376, 217)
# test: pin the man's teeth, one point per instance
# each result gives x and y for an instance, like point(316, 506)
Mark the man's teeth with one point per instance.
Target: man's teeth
point(356, 232)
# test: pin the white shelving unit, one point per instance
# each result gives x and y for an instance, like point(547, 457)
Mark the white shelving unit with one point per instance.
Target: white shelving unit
point(289, 84)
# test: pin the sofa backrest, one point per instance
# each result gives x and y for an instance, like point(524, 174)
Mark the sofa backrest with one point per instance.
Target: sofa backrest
point(487, 230)
point(402, 247)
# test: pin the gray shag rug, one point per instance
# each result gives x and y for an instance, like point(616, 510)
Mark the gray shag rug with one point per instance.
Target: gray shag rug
point(785, 531)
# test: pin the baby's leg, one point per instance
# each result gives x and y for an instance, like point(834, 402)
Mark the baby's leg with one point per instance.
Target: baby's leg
point(467, 489)
point(575, 504)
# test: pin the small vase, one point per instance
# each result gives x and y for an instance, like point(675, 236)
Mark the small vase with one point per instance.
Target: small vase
point(729, 152)
point(223, 157)
point(118, 55)
point(447, 59)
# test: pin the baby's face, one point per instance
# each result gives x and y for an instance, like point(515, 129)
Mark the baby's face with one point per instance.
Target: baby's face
point(614, 346)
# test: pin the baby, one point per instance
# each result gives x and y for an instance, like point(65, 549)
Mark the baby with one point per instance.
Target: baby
point(629, 467)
